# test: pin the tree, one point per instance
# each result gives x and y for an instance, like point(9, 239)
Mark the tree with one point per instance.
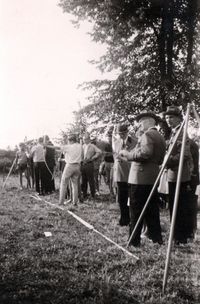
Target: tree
point(153, 46)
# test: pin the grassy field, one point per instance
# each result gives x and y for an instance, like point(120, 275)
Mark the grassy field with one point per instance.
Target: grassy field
point(77, 265)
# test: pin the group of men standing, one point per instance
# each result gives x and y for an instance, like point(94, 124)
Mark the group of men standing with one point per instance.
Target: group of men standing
point(79, 161)
point(38, 164)
point(135, 160)
point(145, 160)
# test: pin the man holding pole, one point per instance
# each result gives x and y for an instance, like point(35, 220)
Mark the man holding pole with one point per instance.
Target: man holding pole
point(146, 158)
point(174, 118)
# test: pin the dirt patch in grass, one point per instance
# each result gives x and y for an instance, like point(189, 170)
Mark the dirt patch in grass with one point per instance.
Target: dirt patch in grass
point(76, 265)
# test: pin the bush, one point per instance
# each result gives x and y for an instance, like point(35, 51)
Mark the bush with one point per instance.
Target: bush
point(6, 160)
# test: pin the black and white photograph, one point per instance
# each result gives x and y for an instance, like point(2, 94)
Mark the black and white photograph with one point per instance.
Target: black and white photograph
point(99, 152)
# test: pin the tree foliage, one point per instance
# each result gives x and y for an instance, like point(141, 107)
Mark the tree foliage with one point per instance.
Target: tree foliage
point(154, 47)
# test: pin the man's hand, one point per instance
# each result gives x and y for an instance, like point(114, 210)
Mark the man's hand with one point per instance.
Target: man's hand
point(124, 153)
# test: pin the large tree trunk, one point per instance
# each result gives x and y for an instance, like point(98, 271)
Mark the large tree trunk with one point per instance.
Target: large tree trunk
point(170, 39)
point(192, 11)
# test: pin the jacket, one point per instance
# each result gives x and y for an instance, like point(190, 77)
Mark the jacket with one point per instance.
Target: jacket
point(146, 158)
point(173, 162)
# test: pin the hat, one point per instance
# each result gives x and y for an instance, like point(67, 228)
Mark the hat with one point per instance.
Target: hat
point(173, 110)
point(122, 128)
point(146, 114)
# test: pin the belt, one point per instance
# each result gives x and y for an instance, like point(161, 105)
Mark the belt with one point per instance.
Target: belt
point(74, 163)
point(88, 161)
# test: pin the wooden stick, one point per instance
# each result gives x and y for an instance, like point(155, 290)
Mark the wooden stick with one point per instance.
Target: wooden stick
point(178, 183)
point(10, 171)
point(89, 226)
point(155, 185)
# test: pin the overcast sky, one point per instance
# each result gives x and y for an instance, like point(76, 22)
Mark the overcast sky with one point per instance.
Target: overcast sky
point(43, 58)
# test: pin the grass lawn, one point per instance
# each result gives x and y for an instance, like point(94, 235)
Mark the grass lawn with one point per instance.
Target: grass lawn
point(77, 265)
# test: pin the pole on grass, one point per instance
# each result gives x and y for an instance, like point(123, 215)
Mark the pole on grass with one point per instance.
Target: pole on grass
point(155, 184)
point(177, 191)
point(10, 171)
point(89, 226)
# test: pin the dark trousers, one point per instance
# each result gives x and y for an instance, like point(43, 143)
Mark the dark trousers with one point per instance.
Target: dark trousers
point(87, 174)
point(49, 180)
point(122, 198)
point(138, 198)
point(39, 168)
point(181, 229)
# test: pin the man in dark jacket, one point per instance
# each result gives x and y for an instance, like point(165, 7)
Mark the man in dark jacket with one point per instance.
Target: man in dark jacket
point(145, 159)
point(173, 118)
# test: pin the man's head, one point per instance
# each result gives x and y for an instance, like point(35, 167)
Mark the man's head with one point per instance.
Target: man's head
point(22, 146)
point(146, 120)
point(46, 138)
point(40, 140)
point(86, 138)
point(173, 116)
point(122, 130)
point(72, 138)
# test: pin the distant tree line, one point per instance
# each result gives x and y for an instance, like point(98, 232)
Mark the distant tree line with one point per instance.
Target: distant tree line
point(6, 159)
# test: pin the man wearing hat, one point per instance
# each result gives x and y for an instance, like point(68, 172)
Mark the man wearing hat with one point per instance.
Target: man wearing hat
point(73, 153)
point(174, 118)
point(145, 159)
point(122, 140)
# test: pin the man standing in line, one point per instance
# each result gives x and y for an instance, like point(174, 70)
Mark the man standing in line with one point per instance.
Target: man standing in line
point(109, 161)
point(91, 153)
point(50, 165)
point(38, 154)
point(173, 118)
point(22, 165)
point(121, 140)
point(145, 158)
point(73, 152)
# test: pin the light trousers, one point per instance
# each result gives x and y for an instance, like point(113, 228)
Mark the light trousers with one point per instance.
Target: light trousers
point(70, 172)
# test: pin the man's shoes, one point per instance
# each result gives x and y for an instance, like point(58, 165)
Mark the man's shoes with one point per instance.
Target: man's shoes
point(181, 241)
point(123, 223)
point(135, 244)
point(158, 241)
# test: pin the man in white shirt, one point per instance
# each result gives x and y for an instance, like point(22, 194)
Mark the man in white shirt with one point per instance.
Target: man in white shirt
point(73, 153)
point(38, 154)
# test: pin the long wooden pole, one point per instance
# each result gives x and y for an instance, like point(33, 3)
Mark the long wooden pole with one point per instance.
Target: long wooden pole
point(155, 185)
point(10, 171)
point(178, 183)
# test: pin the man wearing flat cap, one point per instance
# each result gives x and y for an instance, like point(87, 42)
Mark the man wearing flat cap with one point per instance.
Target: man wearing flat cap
point(145, 159)
point(122, 140)
point(174, 118)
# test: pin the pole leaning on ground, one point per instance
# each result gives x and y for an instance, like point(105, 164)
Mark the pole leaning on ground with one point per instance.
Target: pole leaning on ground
point(10, 171)
point(155, 185)
point(176, 200)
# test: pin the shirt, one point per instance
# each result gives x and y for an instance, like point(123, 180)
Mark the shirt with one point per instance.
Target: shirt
point(38, 153)
point(90, 151)
point(73, 153)
point(21, 157)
